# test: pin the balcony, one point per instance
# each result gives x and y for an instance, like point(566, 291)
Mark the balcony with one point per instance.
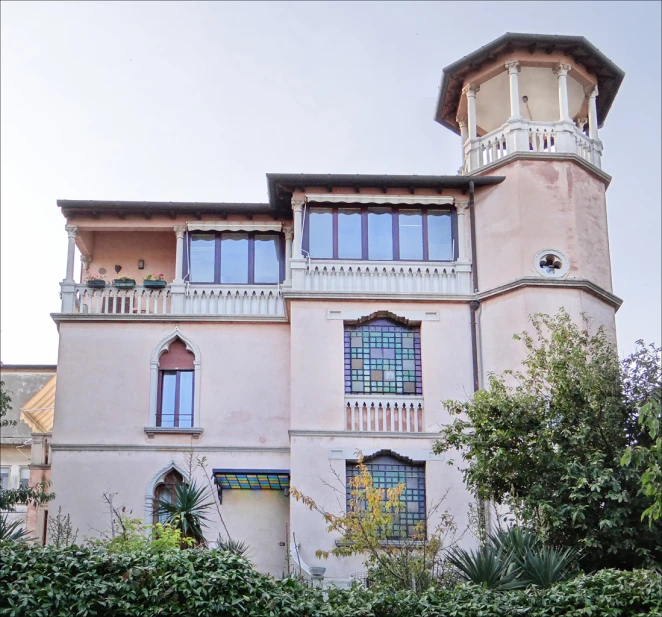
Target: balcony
point(246, 301)
point(533, 137)
point(384, 414)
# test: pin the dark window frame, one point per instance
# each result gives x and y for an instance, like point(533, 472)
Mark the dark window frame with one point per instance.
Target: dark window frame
point(280, 254)
point(395, 221)
point(159, 408)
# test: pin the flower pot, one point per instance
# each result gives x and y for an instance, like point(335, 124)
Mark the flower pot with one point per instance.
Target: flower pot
point(96, 284)
point(154, 284)
point(125, 283)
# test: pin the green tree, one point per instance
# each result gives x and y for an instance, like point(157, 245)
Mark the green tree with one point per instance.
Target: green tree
point(547, 442)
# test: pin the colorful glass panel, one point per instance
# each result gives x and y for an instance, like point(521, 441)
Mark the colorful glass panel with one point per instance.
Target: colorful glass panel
point(383, 357)
point(388, 472)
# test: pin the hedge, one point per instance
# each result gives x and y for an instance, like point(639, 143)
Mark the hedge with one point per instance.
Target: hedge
point(50, 582)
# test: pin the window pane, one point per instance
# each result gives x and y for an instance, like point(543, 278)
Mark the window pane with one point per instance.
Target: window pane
point(440, 237)
point(25, 477)
point(320, 233)
point(234, 258)
point(168, 398)
point(4, 476)
point(267, 267)
point(380, 235)
point(202, 258)
point(411, 234)
point(349, 235)
point(185, 398)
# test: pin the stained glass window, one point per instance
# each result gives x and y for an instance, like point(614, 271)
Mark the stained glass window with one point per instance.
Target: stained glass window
point(389, 472)
point(382, 357)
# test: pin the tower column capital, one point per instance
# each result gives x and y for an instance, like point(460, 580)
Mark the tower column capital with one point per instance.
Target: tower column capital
point(470, 90)
point(513, 67)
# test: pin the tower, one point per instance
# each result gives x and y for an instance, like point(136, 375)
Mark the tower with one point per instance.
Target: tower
point(528, 107)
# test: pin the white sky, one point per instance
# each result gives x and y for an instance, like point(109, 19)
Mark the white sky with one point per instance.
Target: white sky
point(196, 101)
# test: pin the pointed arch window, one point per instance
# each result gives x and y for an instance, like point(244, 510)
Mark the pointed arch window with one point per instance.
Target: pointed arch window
point(176, 387)
point(165, 491)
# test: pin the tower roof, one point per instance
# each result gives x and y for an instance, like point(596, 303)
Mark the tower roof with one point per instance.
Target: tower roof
point(609, 76)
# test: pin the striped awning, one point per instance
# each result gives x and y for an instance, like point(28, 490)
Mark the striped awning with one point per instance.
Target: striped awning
point(37, 413)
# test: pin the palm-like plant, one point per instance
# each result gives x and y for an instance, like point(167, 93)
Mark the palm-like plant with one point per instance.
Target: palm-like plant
point(547, 566)
point(12, 531)
point(187, 509)
point(514, 541)
point(233, 546)
point(488, 567)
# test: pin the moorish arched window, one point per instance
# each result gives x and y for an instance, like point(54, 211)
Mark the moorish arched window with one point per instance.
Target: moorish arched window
point(164, 490)
point(176, 386)
point(383, 356)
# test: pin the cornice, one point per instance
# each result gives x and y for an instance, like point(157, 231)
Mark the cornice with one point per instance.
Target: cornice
point(357, 434)
point(123, 447)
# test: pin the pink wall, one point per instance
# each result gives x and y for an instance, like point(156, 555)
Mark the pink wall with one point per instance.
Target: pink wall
point(125, 248)
point(542, 204)
point(104, 380)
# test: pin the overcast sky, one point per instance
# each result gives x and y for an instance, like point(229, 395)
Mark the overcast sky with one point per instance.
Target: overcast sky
point(196, 101)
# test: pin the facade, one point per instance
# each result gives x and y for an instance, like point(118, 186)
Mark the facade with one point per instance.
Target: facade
point(24, 447)
point(337, 316)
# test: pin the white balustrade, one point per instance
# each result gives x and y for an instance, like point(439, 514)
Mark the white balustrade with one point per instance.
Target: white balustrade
point(243, 300)
point(519, 135)
point(394, 414)
point(114, 301)
point(215, 300)
point(361, 277)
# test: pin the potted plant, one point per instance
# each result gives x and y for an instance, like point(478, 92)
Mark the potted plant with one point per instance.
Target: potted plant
point(124, 282)
point(154, 281)
point(95, 280)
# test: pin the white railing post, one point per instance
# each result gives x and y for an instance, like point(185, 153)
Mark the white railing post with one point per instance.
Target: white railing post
point(178, 288)
point(68, 285)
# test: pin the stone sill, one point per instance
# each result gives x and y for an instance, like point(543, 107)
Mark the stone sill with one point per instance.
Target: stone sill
point(195, 432)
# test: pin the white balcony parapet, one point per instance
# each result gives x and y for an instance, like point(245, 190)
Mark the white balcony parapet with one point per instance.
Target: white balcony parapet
point(212, 300)
point(519, 135)
point(393, 277)
point(390, 414)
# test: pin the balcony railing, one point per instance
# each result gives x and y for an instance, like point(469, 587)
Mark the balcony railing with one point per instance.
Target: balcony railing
point(214, 300)
point(361, 277)
point(394, 414)
point(528, 136)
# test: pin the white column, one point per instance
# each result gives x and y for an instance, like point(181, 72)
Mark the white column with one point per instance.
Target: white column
point(562, 71)
point(297, 208)
point(461, 208)
point(179, 257)
point(470, 90)
point(288, 255)
point(464, 135)
point(71, 252)
point(593, 113)
point(513, 70)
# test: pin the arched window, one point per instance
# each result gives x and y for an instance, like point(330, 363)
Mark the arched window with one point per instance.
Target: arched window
point(176, 386)
point(174, 398)
point(383, 356)
point(164, 490)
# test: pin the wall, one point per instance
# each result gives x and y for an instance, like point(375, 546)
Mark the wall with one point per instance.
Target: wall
point(125, 248)
point(542, 204)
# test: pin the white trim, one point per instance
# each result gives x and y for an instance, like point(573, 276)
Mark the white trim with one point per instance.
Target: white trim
point(360, 198)
point(353, 314)
point(164, 345)
point(235, 226)
point(349, 454)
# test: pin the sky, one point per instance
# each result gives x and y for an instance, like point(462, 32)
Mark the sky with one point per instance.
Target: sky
point(196, 101)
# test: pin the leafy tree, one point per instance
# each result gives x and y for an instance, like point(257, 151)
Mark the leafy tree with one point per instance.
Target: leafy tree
point(547, 442)
point(369, 528)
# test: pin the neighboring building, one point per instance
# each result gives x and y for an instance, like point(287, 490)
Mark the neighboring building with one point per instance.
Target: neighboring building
point(337, 316)
point(22, 451)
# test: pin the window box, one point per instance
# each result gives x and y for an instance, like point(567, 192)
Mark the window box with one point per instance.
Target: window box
point(124, 283)
point(154, 284)
point(96, 283)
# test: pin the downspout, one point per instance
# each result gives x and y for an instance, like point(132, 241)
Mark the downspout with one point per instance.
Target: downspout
point(474, 305)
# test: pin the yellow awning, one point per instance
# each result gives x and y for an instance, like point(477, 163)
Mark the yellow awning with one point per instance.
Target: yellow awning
point(37, 413)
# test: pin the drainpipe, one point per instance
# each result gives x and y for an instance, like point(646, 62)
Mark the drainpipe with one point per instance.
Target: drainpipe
point(472, 221)
point(474, 305)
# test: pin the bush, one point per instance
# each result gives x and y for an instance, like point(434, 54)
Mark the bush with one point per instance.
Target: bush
point(58, 582)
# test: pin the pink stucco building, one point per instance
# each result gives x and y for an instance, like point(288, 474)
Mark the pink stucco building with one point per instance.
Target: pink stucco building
point(336, 316)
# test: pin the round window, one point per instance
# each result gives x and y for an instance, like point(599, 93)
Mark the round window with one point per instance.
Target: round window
point(551, 263)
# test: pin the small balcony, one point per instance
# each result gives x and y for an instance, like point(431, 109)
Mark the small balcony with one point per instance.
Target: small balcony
point(384, 414)
point(533, 137)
